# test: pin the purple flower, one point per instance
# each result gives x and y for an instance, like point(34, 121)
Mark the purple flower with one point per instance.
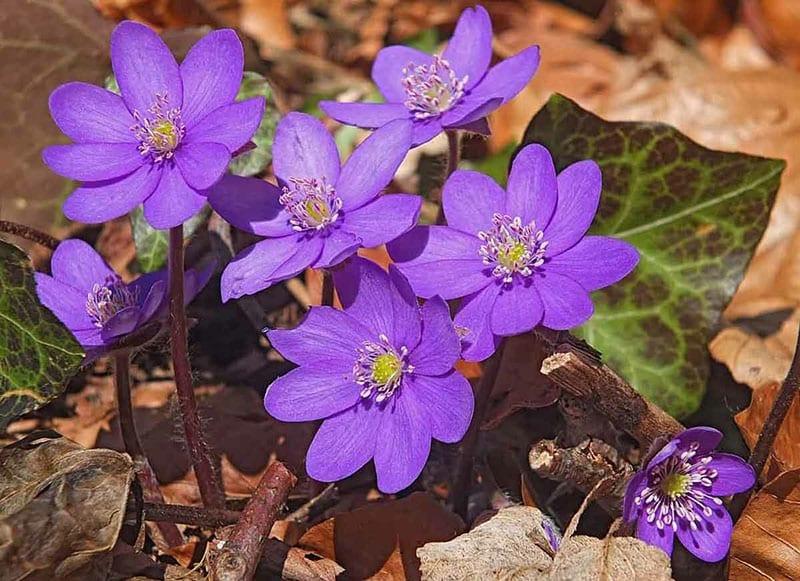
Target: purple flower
point(380, 374)
point(168, 137)
point(324, 211)
point(96, 305)
point(679, 491)
point(519, 258)
point(453, 91)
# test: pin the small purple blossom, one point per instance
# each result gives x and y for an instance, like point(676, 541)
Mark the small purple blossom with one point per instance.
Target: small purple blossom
point(518, 258)
point(454, 90)
point(169, 136)
point(323, 211)
point(380, 374)
point(96, 305)
point(678, 493)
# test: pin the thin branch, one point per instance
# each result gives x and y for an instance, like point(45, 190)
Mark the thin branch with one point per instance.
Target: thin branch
point(208, 518)
point(29, 233)
point(453, 158)
point(462, 483)
point(133, 446)
point(207, 477)
point(238, 556)
point(328, 494)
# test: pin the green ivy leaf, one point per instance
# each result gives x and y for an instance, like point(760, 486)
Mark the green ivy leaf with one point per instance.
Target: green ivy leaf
point(38, 355)
point(152, 245)
point(695, 216)
point(256, 160)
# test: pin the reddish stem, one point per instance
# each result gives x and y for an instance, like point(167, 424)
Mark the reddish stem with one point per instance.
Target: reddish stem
point(327, 288)
point(466, 453)
point(130, 438)
point(207, 477)
point(453, 157)
point(29, 233)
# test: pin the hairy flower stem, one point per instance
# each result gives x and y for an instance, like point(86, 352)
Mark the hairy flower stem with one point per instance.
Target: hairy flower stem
point(453, 157)
point(462, 483)
point(28, 233)
point(772, 425)
point(207, 478)
point(130, 438)
point(327, 288)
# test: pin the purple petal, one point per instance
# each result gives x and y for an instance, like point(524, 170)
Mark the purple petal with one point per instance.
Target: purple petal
point(630, 511)
point(121, 323)
point(337, 245)
point(439, 346)
point(303, 148)
point(383, 219)
point(344, 443)
point(596, 262)
point(449, 402)
point(92, 162)
point(89, 114)
point(383, 302)
point(475, 316)
point(469, 110)
point(516, 310)
point(202, 164)
point(579, 188)
point(426, 130)
point(264, 263)
point(481, 127)
point(232, 125)
point(404, 443)
point(508, 77)
point(251, 205)
point(566, 303)
point(96, 202)
point(532, 188)
point(733, 474)
point(470, 199)
point(440, 261)
point(92, 342)
point(470, 48)
point(373, 164)
point(211, 73)
point(310, 393)
point(325, 338)
point(144, 67)
point(665, 452)
point(706, 438)
point(387, 70)
point(66, 302)
point(366, 115)
point(652, 535)
point(711, 541)
point(154, 297)
point(173, 201)
point(79, 265)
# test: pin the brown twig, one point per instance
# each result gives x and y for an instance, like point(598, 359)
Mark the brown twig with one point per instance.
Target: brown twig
point(133, 446)
point(327, 288)
point(209, 518)
point(591, 381)
point(207, 477)
point(584, 466)
point(327, 495)
point(772, 425)
point(238, 556)
point(28, 233)
point(453, 158)
point(463, 473)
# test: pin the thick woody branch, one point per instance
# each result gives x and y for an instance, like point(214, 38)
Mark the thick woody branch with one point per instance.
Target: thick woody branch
point(584, 466)
point(238, 556)
point(589, 380)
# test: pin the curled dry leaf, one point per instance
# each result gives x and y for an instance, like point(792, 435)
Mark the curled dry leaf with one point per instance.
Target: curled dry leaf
point(381, 539)
point(766, 540)
point(61, 508)
point(587, 558)
point(762, 364)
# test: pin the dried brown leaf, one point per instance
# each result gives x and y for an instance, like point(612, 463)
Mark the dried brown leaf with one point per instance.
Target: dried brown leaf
point(766, 539)
point(587, 558)
point(61, 508)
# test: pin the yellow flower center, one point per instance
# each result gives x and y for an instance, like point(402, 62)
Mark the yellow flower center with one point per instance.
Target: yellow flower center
point(165, 135)
point(675, 485)
point(385, 367)
point(510, 257)
point(318, 210)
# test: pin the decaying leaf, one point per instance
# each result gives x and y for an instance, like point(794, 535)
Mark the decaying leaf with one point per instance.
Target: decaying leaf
point(383, 538)
point(61, 508)
point(625, 558)
point(766, 539)
point(38, 354)
point(510, 545)
point(694, 214)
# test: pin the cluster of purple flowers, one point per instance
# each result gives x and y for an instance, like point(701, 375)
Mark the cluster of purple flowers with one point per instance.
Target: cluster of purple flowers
point(379, 373)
